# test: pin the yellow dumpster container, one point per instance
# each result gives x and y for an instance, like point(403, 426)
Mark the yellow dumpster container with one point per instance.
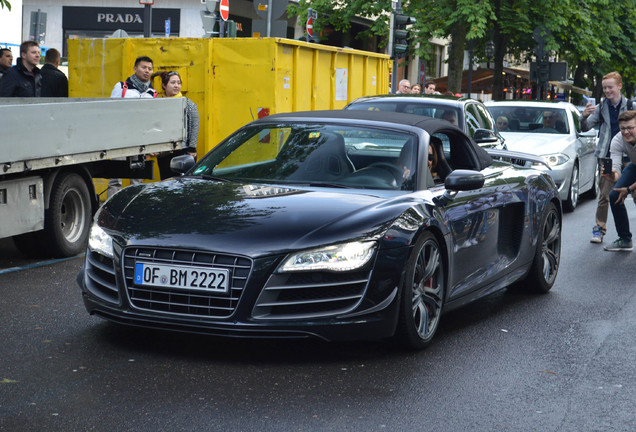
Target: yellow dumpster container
point(234, 80)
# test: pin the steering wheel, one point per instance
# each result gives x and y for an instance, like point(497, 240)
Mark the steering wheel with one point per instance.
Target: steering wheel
point(545, 130)
point(393, 169)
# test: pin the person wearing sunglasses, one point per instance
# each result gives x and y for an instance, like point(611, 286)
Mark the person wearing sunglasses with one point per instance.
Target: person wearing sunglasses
point(550, 118)
point(171, 85)
point(502, 123)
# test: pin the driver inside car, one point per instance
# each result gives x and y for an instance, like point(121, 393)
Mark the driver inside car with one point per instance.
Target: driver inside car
point(550, 119)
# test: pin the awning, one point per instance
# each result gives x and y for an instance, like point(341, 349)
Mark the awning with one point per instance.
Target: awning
point(565, 85)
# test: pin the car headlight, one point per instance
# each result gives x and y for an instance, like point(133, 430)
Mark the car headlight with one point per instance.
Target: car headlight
point(342, 257)
point(555, 160)
point(100, 241)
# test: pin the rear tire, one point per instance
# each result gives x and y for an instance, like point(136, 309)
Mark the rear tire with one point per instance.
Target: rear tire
point(547, 256)
point(67, 220)
point(422, 294)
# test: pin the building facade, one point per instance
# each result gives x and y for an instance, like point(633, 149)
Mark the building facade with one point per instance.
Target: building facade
point(67, 19)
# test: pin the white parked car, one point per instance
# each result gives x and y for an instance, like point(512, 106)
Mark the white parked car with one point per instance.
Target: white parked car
point(552, 130)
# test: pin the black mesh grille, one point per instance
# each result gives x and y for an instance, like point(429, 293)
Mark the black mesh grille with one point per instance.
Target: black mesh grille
point(310, 295)
point(185, 301)
point(100, 277)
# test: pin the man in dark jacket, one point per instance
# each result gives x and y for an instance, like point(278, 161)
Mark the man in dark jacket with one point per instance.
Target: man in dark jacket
point(23, 79)
point(6, 60)
point(54, 82)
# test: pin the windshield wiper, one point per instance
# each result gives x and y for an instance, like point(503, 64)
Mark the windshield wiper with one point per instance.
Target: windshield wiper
point(331, 185)
point(210, 177)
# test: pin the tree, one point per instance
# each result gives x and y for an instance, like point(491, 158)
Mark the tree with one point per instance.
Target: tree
point(593, 36)
point(339, 15)
point(461, 20)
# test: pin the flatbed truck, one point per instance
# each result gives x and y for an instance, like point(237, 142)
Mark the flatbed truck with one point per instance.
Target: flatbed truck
point(51, 149)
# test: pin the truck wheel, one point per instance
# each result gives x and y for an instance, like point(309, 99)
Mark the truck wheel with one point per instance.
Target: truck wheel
point(67, 220)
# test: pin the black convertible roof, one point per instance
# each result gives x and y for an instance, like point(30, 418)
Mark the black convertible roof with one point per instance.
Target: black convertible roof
point(427, 123)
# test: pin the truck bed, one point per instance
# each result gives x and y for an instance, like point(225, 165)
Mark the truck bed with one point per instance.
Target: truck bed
point(51, 132)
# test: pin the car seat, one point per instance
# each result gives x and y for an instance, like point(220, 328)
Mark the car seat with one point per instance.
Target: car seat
point(329, 161)
point(406, 161)
point(560, 126)
point(513, 124)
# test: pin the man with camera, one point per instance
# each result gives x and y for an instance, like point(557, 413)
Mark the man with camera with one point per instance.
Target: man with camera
point(605, 115)
point(625, 178)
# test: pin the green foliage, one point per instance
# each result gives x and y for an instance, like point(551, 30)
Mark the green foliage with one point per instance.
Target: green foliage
point(5, 3)
point(340, 13)
point(596, 33)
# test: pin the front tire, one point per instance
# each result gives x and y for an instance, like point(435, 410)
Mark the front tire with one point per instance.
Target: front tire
point(422, 293)
point(573, 194)
point(547, 256)
point(67, 220)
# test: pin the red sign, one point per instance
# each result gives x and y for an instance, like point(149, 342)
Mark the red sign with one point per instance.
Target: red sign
point(224, 8)
point(310, 27)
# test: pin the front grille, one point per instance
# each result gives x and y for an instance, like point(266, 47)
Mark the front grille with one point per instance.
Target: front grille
point(99, 277)
point(310, 295)
point(186, 301)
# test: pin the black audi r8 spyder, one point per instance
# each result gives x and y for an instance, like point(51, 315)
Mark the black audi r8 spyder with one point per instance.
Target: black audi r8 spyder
point(332, 224)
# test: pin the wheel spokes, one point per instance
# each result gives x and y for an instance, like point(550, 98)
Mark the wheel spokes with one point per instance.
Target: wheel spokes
point(550, 247)
point(427, 288)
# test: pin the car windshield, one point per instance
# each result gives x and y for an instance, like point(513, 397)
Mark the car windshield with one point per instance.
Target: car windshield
point(530, 119)
point(423, 108)
point(316, 154)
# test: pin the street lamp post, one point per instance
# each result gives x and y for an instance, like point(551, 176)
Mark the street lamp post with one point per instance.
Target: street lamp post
point(490, 52)
point(471, 49)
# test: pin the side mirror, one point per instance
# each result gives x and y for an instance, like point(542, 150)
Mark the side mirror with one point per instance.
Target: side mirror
point(459, 180)
point(181, 164)
point(484, 136)
point(464, 180)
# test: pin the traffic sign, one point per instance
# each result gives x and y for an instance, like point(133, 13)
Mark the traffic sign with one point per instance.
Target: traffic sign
point(310, 27)
point(224, 8)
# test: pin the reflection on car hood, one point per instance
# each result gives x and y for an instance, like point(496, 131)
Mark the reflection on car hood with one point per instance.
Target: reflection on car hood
point(247, 219)
point(536, 143)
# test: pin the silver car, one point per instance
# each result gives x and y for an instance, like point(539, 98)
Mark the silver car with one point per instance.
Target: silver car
point(552, 130)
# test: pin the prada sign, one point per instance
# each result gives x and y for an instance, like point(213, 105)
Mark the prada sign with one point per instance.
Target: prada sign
point(114, 18)
point(119, 18)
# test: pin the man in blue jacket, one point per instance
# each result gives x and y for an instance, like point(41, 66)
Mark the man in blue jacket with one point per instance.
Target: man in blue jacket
point(23, 79)
point(605, 114)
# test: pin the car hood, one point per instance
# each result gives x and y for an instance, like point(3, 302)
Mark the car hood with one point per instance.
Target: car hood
point(253, 220)
point(536, 143)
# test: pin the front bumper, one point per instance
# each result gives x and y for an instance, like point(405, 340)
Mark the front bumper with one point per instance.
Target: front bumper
point(373, 316)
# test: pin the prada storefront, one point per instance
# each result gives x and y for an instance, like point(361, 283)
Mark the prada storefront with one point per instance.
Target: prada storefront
point(99, 22)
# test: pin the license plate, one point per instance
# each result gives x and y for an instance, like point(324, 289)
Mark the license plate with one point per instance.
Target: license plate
point(210, 280)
